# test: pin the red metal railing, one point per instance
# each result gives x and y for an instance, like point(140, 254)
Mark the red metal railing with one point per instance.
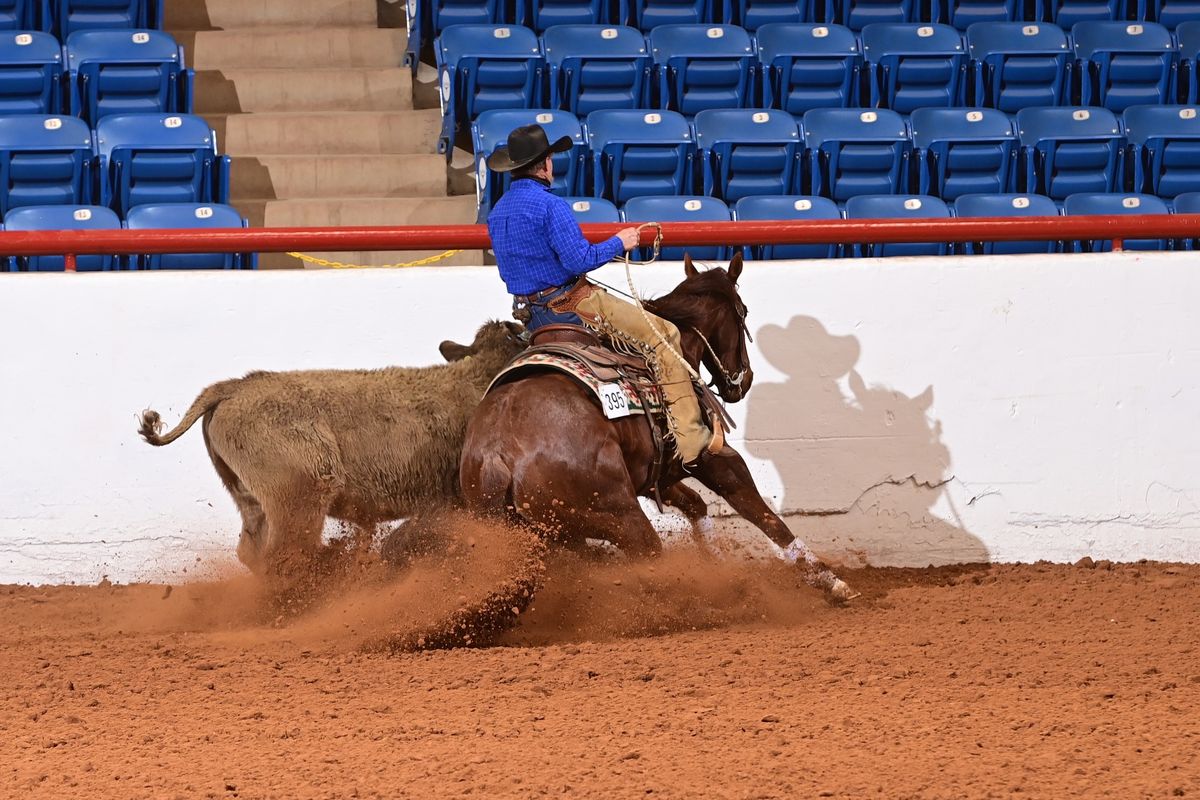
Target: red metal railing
point(475, 237)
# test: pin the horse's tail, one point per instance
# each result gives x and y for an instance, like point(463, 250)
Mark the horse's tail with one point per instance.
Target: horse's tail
point(151, 422)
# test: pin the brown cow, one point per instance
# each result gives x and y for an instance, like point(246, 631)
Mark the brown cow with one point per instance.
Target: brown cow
point(362, 446)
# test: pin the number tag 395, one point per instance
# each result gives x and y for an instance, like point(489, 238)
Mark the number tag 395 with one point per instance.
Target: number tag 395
point(613, 401)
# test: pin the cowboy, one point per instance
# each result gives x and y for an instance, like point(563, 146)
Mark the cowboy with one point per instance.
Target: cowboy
point(543, 258)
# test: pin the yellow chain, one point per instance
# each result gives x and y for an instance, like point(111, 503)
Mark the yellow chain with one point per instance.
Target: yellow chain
point(321, 262)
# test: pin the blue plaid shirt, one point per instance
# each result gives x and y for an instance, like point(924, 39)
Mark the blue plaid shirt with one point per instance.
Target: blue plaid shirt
point(538, 243)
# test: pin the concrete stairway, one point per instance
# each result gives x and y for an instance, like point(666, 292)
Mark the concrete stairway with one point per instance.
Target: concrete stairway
point(311, 100)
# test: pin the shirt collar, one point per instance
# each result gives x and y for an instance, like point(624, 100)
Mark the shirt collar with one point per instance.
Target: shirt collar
point(531, 182)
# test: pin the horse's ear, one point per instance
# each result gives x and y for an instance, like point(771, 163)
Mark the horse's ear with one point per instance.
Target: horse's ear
point(735, 266)
point(689, 269)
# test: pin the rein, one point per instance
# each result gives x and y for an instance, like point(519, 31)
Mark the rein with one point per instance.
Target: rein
point(637, 300)
point(730, 380)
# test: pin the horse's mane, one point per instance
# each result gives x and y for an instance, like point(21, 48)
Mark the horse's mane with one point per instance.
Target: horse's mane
point(680, 306)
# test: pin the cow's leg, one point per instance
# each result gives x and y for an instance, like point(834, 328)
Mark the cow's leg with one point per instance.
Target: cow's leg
point(250, 541)
point(295, 517)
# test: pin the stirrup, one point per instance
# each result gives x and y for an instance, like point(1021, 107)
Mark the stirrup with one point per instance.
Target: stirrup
point(717, 444)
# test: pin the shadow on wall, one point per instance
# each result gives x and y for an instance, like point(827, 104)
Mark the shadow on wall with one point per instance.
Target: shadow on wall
point(861, 470)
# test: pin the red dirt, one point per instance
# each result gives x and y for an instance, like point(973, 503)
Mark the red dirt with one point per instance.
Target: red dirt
point(1038, 681)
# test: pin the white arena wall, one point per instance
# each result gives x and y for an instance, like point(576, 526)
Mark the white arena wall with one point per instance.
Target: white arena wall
point(904, 411)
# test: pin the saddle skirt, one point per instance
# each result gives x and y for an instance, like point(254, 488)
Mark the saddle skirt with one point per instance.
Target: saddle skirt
point(621, 384)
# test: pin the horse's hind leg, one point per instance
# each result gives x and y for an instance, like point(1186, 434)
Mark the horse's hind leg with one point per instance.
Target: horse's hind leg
point(691, 505)
point(599, 504)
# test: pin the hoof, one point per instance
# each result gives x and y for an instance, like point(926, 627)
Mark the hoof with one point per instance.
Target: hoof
point(840, 590)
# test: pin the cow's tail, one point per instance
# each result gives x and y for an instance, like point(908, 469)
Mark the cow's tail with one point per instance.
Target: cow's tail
point(151, 423)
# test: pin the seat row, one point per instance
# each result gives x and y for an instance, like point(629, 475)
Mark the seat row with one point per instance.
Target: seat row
point(840, 153)
point(429, 18)
point(96, 73)
point(128, 160)
point(64, 17)
point(913, 207)
point(144, 217)
point(799, 67)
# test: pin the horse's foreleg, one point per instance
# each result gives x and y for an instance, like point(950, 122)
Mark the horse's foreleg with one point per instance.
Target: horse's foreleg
point(728, 476)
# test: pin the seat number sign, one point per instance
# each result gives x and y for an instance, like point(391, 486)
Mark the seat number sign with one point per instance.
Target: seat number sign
point(613, 401)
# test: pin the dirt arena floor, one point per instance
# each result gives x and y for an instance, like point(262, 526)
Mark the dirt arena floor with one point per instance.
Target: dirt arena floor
point(671, 680)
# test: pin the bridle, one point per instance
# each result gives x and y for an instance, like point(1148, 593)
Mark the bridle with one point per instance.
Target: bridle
point(743, 367)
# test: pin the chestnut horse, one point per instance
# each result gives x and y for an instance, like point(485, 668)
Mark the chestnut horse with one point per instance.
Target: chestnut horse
point(540, 451)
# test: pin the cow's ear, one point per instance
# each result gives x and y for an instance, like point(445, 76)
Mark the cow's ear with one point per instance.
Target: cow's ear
point(453, 351)
point(735, 266)
point(689, 269)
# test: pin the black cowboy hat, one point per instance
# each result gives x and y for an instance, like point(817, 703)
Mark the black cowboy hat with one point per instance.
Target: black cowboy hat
point(526, 145)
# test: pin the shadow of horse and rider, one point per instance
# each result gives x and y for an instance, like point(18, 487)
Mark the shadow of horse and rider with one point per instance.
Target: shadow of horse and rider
point(861, 466)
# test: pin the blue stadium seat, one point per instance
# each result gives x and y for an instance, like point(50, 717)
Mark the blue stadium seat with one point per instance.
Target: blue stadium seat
point(444, 13)
point(159, 158)
point(189, 215)
point(44, 160)
point(888, 206)
point(596, 66)
point(593, 209)
point(1065, 13)
point(679, 209)
point(1173, 13)
point(746, 152)
point(485, 67)
point(78, 15)
point(1187, 34)
point(1188, 203)
point(702, 66)
point(857, 14)
point(1016, 65)
point(808, 66)
point(963, 151)
point(21, 15)
point(127, 72)
point(753, 14)
point(639, 153)
point(1164, 148)
point(649, 14)
point(963, 13)
point(1112, 204)
point(790, 208)
point(1121, 64)
point(542, 15)
point(1007, 205)
point(31, 69)
point(913, 66)
point(62, 218)
point(852, 152)
point(1067, 150)
point(490, 133)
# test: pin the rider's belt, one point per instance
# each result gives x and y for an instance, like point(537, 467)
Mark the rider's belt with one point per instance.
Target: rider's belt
point(542, 296)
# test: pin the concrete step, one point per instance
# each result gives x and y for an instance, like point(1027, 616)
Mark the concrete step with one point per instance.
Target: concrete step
point(233, 90)
point(285, 48)
point(362, 211)
point(202, 15)
point(328, 133)
point(300, 177)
